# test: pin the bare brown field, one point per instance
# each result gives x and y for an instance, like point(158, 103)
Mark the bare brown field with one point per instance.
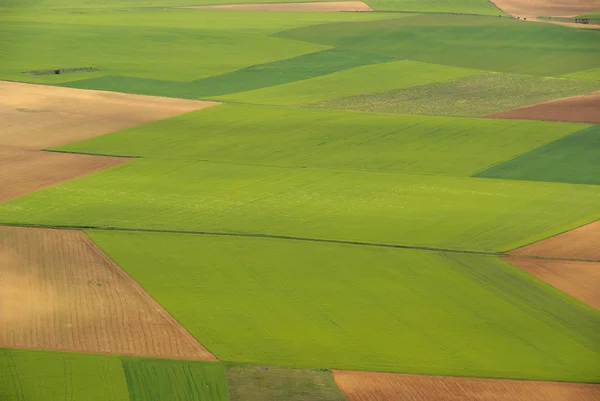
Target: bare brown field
point(531, 9)
point(581, 280)
point(25, 171)
point(580, 244)
point(369, 386)
point(583, 109)
point(337, 6)
point(39, 116)
point(59, 291)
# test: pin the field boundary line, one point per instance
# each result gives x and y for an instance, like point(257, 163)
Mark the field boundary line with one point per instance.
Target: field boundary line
point(292, 238)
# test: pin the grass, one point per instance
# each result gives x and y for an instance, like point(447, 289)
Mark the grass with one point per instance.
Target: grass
point(52, 376)
point(470, 96)
point(300, 304)
point(378, 207)
point(482, 7)
point(158, 380)
point(483, 43)
point(253, 383)
point(592, 74)
point(331, 139)
point(253, 77)
point(573, 159)
point(364, 79)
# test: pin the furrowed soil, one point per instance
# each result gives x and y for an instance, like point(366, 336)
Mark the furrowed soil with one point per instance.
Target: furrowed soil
point(581, 244)
point(369, 386)
point(548, 8)
point(59, 291)
point(578, 279)
point(317, 6)
point(583, 109)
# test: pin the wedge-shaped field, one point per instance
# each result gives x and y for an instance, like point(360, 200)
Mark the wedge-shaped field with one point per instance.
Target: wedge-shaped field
point(323, 6)
point(53, 376)
point(304, 304)
point(572, 159)
point(592, 74)
point(365, 79)
point(60, 292)
point(331, 139)
point(249, 78)
point(158, 380)
point(482, 7)
point(375, 207)
point(483, 43)
point(268, 383)
point(470, 96)
point(367, 386)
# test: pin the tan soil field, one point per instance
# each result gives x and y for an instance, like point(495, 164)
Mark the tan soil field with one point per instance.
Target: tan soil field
point(59, 291)
point(583, 109)
point(25, 171)
point(582, 243)
point(337, 6)
point(581, 280)
point(39, 116)
point(531, 9)
point(369, 386)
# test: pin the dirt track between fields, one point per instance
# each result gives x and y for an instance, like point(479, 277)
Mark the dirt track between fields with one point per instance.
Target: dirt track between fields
point(369, 386)
point(59, 291)
point(315, 6)
point(37, 116)
point(581, 280)
point(583, 109)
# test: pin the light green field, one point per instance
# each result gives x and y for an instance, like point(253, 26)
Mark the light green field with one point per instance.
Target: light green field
point(297, 303)
point(365, 79)
point(482, 7)
point(592, 74)
point(331, 139)
point(52, 376)
point(483, 43)
point(376, 207)
point(470, 96)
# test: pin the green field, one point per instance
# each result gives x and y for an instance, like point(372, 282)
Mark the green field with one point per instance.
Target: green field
point(482, 7)
point(366, 79)
point(573, 159)
point(470, 96)
point(318, 305)
point(591, 74)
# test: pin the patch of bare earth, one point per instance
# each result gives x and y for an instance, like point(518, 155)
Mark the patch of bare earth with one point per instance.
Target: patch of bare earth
point(337, 6)
point(581, 280)
point(583, 109)
point(59, 291)
point(532, 9)
point(370, 386)
point(33, 117)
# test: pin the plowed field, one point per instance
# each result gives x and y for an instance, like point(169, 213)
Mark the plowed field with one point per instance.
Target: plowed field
point(58, 291)
point(547, 8)
point(582, 109)
point(317, 6)
point(579, 279)
point(580, 244)
point(366, 386)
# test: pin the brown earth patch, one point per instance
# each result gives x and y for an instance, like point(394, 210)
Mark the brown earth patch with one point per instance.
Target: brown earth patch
point(369, 386)
point(582, 109)
point(337, 6)
point(582, 243)
point(531, 9)
point(581, 280)
point(59, 291)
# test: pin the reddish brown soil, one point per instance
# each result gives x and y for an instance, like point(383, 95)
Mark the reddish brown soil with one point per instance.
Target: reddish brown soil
point(583, 109)
point(582, 243)
point(59, 291)
point(317, 6)
point(368, 386)
point(578, 279)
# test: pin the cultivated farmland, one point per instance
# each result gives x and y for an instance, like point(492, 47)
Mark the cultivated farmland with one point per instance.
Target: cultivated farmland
point(244, 200)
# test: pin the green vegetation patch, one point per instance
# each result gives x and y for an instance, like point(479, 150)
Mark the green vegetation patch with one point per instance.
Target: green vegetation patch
point(267, 383)
point(167, 380)
point(253, 77)
point(483, 7)
point(331, 139)
point(377, 207)
point(592, 74)
point(364, 79)
point(58, 376)
point(305, 304)
point(470, 96)
point(573, 159)
point(483, 43)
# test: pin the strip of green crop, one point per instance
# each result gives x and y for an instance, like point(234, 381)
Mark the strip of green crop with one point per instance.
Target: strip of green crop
point(483, 7)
